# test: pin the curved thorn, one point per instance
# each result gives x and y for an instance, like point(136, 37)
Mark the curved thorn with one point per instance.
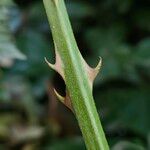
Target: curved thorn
point(65, 100)
point(99, 64)
point(92, 72)
point(49, 64)
point(61, 98)
point(97, 69)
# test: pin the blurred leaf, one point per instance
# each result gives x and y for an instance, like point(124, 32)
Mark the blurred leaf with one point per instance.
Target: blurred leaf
point(18, 91)
point(128, 107)
point(143, 57)
point(67, 144)
point(36, 48)
point(8, 50)
point(6, 120)
point(21, 134)
point(38, 19)
point(2, 147)
point(143, 52)
point(105, 38)
point(84, 9)
point(124, 6)
point(141, 18)
point(6, 2)
point(125, 145)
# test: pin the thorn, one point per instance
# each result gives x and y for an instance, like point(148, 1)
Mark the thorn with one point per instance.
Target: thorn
point(92, 72)
point(58, 66)
point(98, 67)
point(49, 64)
point(65, 100)
point(61, 98)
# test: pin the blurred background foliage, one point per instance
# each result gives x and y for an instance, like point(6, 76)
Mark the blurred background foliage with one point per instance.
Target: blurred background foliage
point(30, 115)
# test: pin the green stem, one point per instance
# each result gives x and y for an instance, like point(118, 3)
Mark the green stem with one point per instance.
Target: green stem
point(76, 77)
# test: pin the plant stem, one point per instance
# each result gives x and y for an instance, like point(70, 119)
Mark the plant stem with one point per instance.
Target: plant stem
point(77, 74)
